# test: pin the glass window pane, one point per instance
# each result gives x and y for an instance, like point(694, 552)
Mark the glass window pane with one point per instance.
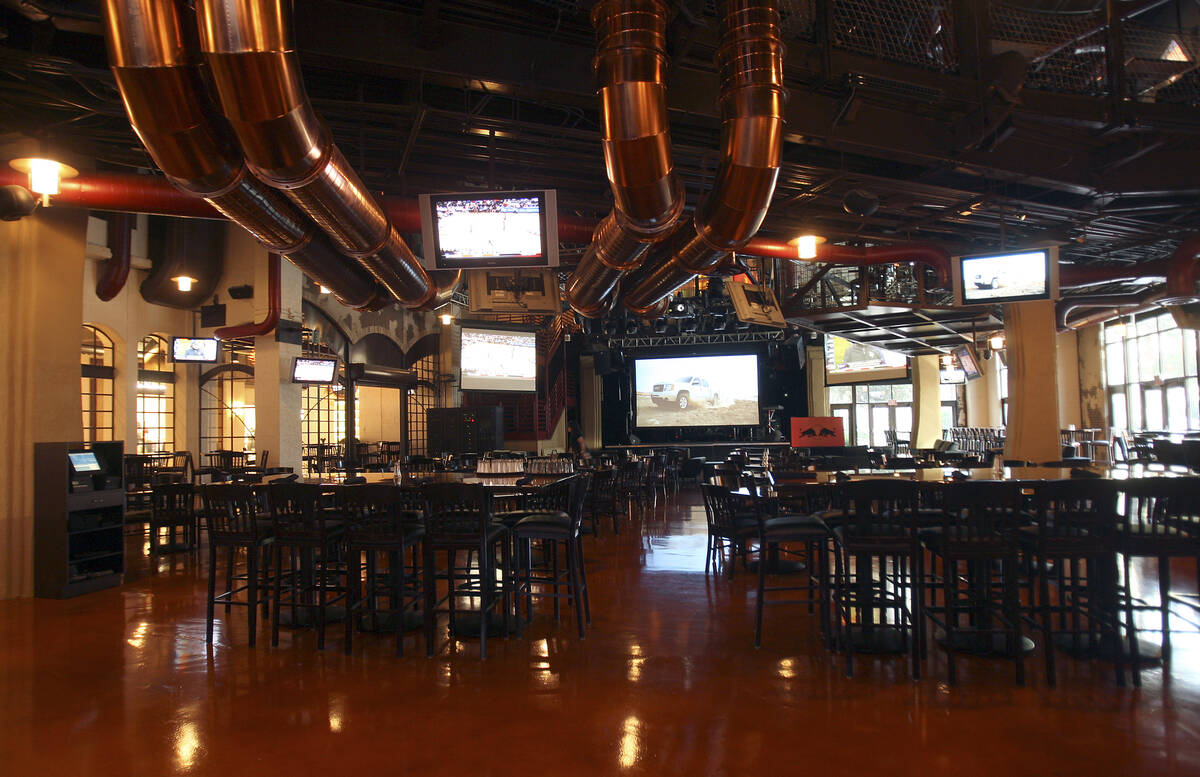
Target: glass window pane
point(1110, 334)
point(903, 420)
point(1189, 351)
point(844, 414)
point(879, 425)
point(1193, 403)
point(1148, 357)
point(860, 393)
point(1003, 383)
point(1177, 415)
point(1146, 325)
point(947, 418)
point(902, 392)
point(879, 393)
point(1118, 412)
point(1152, 406)
point(1132, 373)
point(840, 395)
point(948, 392)
point(1171, 353)
point(1114, 363)
point(862, 425)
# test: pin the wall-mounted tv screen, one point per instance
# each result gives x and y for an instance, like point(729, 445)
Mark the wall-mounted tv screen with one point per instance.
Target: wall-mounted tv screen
point(83, 461)
point(847, 361)
point(307, 370)
point(697, 391)
point(951, 375)
point(1015, 276)
point(965, 356)
point(194, 349)
point(495, 229)
point(497, 360)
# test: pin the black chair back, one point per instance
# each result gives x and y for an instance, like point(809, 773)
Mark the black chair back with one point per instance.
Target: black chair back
point(1160, 505)
point(173, 502)
point(880, 507)
point(722, 507)
point(1075, 509)
point(981, 509)
point(297, 510)
point(233, 513)
point(551, 497)
point(379, 512)
point(456, 512)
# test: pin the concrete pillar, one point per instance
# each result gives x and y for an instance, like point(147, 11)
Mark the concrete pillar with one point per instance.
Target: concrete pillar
point(276, 398)
point(1068, 382)
point(927, 402)
point(1033, 430)
point(41, 283)
point(591, 395)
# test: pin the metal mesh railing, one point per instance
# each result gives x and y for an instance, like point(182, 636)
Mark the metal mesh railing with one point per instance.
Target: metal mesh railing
point(916, 32)
point(1160, 64)
point(1063, 56)
point(837, 289)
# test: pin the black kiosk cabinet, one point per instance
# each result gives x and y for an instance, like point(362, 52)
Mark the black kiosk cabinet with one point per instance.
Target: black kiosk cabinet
point(79, 518)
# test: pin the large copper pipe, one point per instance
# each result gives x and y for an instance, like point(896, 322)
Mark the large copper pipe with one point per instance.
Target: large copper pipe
point(752, 102)
point(248, 46)
point(648, 197)
point(162, 88)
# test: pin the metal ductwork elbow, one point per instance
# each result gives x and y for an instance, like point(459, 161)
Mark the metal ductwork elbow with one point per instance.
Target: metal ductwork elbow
point(648, 197)
point(752, 102)
point(161, 85)
point(248, 47)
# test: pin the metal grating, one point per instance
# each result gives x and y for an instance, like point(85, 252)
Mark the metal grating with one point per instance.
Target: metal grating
point(915, 32)
point(1063, 56)
point(837, 289)
point(1160, 64)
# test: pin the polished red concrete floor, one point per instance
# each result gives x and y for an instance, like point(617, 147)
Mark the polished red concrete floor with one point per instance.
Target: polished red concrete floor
point(667, 682)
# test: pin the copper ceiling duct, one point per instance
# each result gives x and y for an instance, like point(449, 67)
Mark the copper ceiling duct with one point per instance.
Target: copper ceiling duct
point(164, 95)
point(752, 101)
point(248, 47)
point(648, 197)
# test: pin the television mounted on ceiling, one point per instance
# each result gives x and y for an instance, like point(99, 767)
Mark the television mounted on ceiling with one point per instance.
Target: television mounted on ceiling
point(497, 359)
point(481, 230)
point(1012, 276)
point(200, 350)
point(968, 362)
point(847, 361)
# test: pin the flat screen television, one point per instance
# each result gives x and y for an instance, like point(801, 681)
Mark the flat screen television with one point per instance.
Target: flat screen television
point(497, 360)
point(847, 361)
point(696, 391)
point(310, 370)
point(1014, 276)
point(492, 229)
point(194, 349)
point(83, 461)
point(951, 375)
point(965, 356)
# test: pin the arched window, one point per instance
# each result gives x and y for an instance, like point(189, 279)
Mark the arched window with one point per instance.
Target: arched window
point(322, 418)
point(227, 419)
point(155, 397)
point(421, 397)
point(96, 358)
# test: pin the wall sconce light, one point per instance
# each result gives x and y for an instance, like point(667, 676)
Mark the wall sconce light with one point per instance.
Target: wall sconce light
point(446, 319)
point(996, 342)
point(806, 245)
point(184, 282)
point(325, 290)
point(44, 175)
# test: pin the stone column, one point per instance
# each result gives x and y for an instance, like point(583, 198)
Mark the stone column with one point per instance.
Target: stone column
point(276, 398)
point(927, 402)
point(1033, 430)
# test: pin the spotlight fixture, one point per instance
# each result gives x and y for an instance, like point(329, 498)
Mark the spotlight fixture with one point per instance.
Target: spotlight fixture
point(660, 326)
point(996, 342)
point(717, 322)
point(687, 324)
point(631, 327)
point(184, 282)
point(44, 175)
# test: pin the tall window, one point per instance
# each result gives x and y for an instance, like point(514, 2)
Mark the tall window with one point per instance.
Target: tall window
point(1150, 374)
point(420, 398)
point(227, 418)
point(322, 425)
point(96, 358)
point(948, 394)
point(1003, 392)
point(869, 411)
point(155, 397)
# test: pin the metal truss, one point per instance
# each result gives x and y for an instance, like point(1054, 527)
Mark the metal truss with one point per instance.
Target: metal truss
point(714, 338)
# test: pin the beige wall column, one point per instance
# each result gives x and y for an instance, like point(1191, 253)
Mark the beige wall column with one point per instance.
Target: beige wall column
point(1032, 382)
point(927, 402)
point(591, 394)
point(276, 398)
point(41, 281)
point(818, 398)
point(1069, 395)
point(1093, 402)
point(983, 396)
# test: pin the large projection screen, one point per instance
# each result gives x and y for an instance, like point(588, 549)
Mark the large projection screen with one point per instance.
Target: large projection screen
point(697, 391)
point(497, 360)
point(849, 362)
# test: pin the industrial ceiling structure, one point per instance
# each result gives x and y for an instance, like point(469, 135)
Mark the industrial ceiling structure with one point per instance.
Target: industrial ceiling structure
point(971, 125)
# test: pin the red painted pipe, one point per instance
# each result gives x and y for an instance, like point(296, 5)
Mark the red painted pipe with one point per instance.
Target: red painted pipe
point(923, 253)
point(275, 305)
point(115, 271)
